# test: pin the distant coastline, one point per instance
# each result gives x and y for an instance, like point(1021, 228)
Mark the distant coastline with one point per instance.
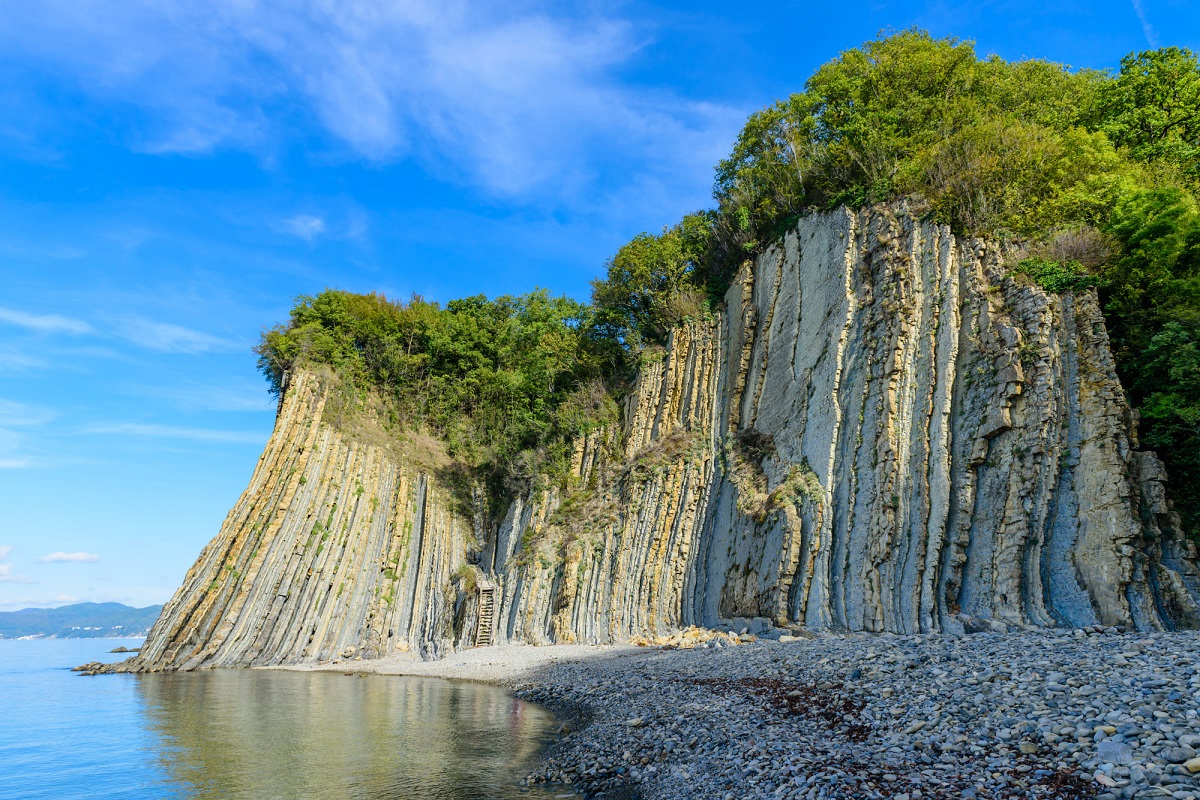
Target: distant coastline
point(41, 637)
point(79, 621)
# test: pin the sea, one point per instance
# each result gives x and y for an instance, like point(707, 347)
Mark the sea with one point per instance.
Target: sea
point(254, 734)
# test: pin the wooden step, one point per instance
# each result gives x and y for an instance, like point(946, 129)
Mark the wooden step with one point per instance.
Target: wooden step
point(487, 614)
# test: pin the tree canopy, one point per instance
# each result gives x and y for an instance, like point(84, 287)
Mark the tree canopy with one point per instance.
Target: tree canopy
point(505, 382)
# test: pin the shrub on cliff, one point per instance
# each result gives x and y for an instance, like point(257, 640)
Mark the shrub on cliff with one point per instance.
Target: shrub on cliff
point(490, 377)
point(655, 282)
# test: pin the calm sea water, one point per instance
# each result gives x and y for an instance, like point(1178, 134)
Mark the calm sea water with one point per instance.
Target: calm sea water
point(252, 734)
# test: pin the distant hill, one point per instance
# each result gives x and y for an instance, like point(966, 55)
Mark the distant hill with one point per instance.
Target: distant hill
point(78, 621)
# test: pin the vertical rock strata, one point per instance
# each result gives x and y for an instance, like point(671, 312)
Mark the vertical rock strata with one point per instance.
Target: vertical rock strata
point(958, 443)
point(333, 549)
point(881, 432)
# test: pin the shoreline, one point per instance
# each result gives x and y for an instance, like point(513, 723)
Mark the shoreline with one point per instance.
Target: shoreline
point(498, 665)
point(1030, 714)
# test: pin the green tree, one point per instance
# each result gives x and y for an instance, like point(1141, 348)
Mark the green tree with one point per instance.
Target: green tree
point(654, 282)
point(1153, 107)
point(990, 144)
point(1168, 381)
point(1159, 231)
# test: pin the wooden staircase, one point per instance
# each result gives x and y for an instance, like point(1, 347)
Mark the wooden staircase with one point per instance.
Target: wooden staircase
point(487, 614)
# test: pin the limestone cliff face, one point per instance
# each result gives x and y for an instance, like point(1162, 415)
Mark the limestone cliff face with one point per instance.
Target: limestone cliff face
point(334, 548)
point(616, 557)
point(964, 441)
point(881, 432)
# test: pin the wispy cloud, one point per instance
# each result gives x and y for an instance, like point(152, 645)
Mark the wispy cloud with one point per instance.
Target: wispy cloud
point(44, 323)
point(174, 432)
point(13, 454)
point(1147, 28)
point(196, 396)
point(6, 575)
point(336, 220)
point(14, 360)
point(60, 557)
point(13, 440)
point(166, 337)
point(19, 414)
point(305, 226)
point(519, 102)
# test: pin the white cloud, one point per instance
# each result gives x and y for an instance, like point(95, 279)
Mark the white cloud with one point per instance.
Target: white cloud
point(518, 102)
point(1147, 28)
point(44, 323)
point(66, 598)
point(174, 432)
point(5, 551)
point(15, 463)
point(168, 338)
point(75, 558)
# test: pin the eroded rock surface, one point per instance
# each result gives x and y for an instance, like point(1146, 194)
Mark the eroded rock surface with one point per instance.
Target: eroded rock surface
point(881, 432)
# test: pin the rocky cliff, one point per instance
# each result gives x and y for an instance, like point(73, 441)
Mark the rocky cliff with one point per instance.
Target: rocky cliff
point(882, 431)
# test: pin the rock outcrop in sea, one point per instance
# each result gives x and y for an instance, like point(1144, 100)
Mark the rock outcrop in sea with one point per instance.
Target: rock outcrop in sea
point(882, 431)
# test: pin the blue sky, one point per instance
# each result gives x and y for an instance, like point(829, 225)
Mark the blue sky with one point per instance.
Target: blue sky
point(172, 175)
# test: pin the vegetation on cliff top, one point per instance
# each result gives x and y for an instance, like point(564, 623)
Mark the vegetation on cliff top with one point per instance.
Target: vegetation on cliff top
point(1096, 175)
point(507, 383)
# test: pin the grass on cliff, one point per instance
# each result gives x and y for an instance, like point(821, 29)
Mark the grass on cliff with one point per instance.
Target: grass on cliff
point(1094, 174)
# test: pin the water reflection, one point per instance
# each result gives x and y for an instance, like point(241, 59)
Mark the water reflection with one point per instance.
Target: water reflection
point(265, 734)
